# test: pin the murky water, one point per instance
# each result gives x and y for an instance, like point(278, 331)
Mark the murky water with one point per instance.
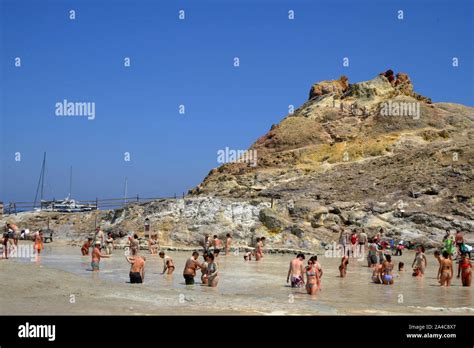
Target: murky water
point(261, 286)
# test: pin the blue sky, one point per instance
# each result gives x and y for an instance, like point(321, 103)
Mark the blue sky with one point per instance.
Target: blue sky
point(190, 62)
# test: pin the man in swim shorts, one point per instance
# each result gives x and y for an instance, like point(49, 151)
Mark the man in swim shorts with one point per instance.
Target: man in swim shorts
point(192, 264)
point(137, 269)
point(296, 271)
point(96, 256)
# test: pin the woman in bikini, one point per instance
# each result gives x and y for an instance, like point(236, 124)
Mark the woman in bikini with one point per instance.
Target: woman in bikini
point(465, 270)
point(312, 278)
point(386, 270)
point(168, 264)
point(445, 271)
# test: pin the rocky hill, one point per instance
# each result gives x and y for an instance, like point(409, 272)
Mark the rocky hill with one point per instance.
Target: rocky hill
point(373, 154)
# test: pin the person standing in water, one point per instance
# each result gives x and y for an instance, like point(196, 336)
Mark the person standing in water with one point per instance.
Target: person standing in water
point(362, 241)
point(445, 271)
point(343, 266)
point(206, 243)
point(377, 274)
point(296, 271)
point(109, 244)
point(85, 247)
point(459, 240)
point(153, 244)
point(168, 264)
point(100, 236)
point(318, 268)
point(228, 242)
point(217, 244)
point(96, 256)
point(419, 263)
point(204, 268)
point(449, 246)
point(192, 264)
point(259, 250)
point(344, 241)
point(465, 270)
point(212, 273)
point(39, 242)
point(354, 242)
point(134, 244)
point(137, 269)
point(312, 278)
point(386, 270)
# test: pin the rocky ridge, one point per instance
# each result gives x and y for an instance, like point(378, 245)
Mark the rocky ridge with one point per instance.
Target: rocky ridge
point(370, 154)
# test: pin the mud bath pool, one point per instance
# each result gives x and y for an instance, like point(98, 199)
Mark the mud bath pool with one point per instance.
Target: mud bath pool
point(46, 285)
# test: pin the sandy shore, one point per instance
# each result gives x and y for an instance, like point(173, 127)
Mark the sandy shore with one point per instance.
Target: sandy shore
point(35, 290)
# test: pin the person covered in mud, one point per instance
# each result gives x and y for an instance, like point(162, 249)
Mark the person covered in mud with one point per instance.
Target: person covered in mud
point(362, 237)
point(6, 240)
point(86, 246)
point(205, 256)
point(465, 270)
point(372, 254)
point(153, 244)
point(419, 263)
point(192, 264)
point(96, 256)
point(228, 242)
point(212, 273)
point(137, 268)
point(459, 240)
point(344, 241)
point(401, 267)
point(445, 271)
point(168, 265)
point(134, 244)
point(248, 256)
point(216, 243)
point(386, 270)
point(100, 236)
point(259, 249)
point(109, 244)
point(296, 271)
point(343, 266)
point(377, 274)
point(206, 243)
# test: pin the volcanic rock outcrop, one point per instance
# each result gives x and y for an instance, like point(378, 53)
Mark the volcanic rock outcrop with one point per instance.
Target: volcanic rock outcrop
point(370, 154)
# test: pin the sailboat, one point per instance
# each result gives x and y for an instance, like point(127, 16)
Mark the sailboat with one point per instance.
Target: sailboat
point(67, 205)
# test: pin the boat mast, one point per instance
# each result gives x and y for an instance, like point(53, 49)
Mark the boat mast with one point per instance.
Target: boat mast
point(70, 182)
point(125, 191)
point(40, 182)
